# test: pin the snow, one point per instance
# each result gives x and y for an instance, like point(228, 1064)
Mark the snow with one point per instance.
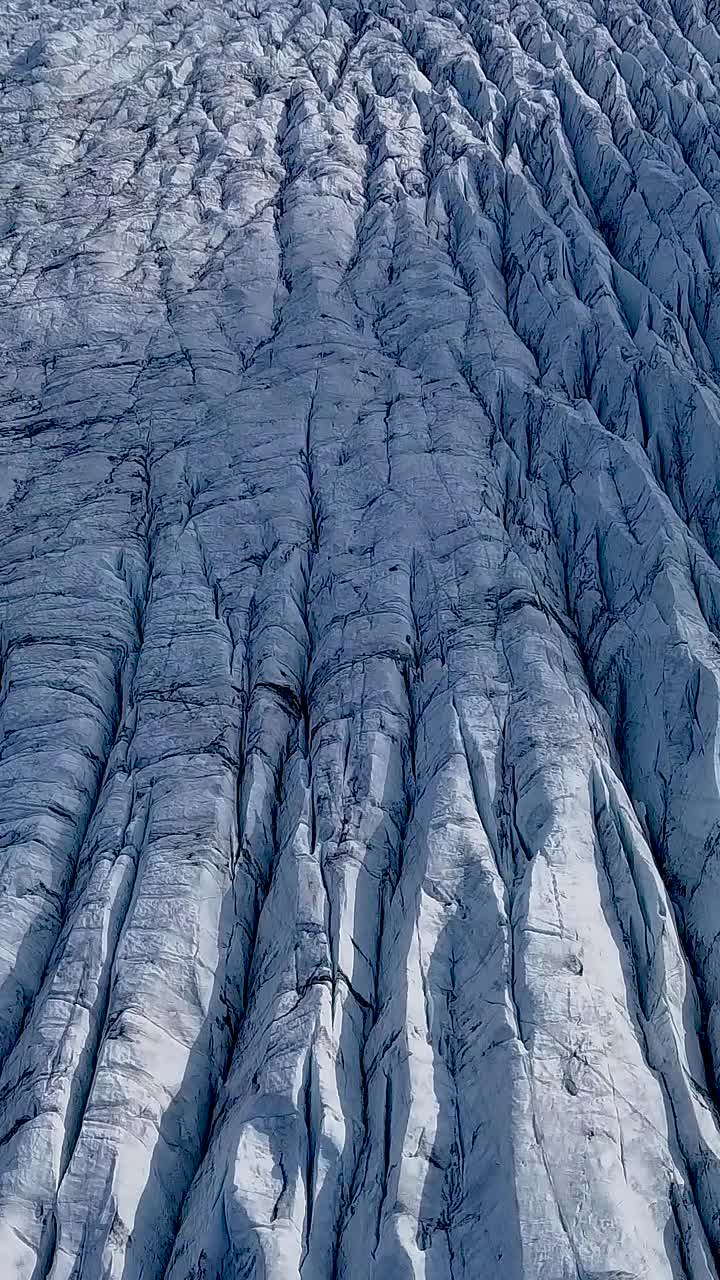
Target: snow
point(360, 640)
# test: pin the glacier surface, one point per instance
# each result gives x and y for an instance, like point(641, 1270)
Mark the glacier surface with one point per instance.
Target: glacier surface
point(360, 640)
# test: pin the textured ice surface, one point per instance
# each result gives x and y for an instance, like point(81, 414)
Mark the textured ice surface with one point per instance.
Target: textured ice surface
point(360, 640)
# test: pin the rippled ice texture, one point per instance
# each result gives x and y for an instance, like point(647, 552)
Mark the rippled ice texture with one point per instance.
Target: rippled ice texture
point(359, 639)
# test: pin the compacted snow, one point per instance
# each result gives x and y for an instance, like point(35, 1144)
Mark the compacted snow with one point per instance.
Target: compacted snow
point(360, 640)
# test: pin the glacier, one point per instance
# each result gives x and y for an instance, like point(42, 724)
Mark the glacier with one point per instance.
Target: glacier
point(360, 640)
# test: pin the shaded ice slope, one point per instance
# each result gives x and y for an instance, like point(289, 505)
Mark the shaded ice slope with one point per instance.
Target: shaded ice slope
point(360, 641)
